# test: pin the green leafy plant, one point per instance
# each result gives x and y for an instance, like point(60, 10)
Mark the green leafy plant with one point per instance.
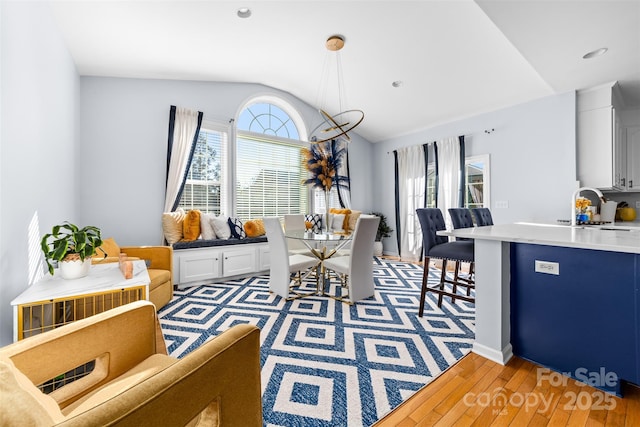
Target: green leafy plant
point(68, 242)
point(383, 228)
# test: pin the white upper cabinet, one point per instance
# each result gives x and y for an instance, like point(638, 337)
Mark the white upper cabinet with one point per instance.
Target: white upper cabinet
point(601, 140)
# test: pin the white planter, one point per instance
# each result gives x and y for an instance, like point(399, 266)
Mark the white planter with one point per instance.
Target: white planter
point(377, 248)
point(75, 269)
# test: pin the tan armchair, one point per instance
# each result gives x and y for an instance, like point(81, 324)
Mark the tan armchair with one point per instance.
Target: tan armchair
point(160, 266)
point(134, 382)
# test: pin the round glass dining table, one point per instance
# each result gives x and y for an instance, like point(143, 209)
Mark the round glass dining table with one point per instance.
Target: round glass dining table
point(323, 246)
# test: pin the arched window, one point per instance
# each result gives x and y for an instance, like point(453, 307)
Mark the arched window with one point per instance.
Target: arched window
point(267, 119)
point(268, 161)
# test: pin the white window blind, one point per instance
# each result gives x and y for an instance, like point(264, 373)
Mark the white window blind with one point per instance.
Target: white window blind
point(269, 175)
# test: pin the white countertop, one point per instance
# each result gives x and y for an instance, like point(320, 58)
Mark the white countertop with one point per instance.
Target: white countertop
point(621, 237)
point(102, 277)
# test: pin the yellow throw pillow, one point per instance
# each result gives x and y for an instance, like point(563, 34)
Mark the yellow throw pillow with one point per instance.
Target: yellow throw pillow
point(191, 226)
point(254, 228)
point(172, 225)
point(108, 247)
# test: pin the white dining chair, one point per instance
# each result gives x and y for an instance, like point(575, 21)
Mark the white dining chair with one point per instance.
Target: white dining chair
point(295, 222)
point(357, 267)
point(284, 265)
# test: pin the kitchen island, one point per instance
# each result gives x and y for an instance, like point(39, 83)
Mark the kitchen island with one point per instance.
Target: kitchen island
point(567, 298)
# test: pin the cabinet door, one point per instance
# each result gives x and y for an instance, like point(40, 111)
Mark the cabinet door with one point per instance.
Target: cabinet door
point(633, 159)
point(595, 149)
point(265, 258)
point(619, 152)
point(239, 261)
point(582, 318)
point(200, 265)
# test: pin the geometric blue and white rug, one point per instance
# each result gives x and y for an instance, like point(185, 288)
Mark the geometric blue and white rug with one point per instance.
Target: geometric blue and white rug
point(324, 362)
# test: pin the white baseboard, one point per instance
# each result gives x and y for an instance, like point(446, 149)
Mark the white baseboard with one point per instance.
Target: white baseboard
point(501, 357)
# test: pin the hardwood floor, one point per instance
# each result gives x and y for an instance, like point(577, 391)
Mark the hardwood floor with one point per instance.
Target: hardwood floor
point(478, 392)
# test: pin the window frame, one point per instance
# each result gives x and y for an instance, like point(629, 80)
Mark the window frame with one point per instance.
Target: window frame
point(226, 130)
point(298, 122)
point(485, 159)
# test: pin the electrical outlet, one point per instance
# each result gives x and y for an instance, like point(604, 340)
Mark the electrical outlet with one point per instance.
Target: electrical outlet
point(502, 204)
point(638, 204)
point(548, 267)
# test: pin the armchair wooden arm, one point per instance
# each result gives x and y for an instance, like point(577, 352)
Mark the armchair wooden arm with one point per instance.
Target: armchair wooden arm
point(133, 383)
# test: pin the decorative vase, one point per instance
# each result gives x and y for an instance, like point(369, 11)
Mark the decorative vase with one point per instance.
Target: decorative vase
point(75, 269)
point(377, 248)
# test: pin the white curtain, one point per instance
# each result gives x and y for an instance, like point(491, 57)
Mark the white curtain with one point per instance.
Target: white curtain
point(448, 176)
point(411, 189)
point(184, 135)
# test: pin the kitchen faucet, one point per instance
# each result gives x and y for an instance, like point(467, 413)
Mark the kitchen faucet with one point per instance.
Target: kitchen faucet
point(575, 195)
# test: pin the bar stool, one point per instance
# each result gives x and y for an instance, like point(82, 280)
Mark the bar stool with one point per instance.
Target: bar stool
point(439, 247)
point(461, 218)
point(483, 216)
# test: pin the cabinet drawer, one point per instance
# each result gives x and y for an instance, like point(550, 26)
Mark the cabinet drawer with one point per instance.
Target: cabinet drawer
point(200, 266)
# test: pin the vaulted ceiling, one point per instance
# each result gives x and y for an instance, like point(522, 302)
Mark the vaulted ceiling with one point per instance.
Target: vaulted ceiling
point(453, 58)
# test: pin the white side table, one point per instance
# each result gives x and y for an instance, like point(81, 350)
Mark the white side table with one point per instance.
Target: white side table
point(54, 301)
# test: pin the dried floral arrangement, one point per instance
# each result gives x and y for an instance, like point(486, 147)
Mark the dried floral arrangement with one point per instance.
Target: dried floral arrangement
point(323, 161)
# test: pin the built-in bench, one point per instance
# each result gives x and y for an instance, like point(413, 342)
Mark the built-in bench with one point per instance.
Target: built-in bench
point(201, 261)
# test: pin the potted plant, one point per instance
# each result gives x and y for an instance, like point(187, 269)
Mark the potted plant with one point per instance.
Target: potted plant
point(72, 247)
point(383, 231)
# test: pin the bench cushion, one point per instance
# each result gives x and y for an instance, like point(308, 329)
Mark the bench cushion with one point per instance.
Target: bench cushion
point(217, 242)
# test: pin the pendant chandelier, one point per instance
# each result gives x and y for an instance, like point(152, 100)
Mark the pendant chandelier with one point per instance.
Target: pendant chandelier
point(338, 125)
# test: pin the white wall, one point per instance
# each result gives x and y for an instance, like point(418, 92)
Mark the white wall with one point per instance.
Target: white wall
point(38, 148)
point(124, 125)
point(532, 154)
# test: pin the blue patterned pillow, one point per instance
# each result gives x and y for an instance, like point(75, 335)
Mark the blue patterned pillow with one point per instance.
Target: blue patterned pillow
point(316, 222)
point(237, 229)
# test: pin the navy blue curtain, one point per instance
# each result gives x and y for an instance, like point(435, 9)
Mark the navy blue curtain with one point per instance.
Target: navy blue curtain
point(462, 174)
point(397, 196)
point(435, 168)
point(344, 191)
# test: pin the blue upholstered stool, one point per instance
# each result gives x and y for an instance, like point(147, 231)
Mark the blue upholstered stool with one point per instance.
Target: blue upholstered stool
point(483, 216)
point(439, 247)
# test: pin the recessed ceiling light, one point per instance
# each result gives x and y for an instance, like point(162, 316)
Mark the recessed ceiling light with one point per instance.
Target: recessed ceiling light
point(397, 83)
point(244, 12)
point(595, 53)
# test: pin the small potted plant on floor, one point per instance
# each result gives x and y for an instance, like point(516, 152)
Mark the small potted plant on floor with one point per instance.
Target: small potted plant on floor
point(383, 231)
point(72, 247)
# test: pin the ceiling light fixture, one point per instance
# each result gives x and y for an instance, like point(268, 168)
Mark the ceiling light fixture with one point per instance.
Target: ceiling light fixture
point(334, 126)
point(244, 12)
point(595, 53)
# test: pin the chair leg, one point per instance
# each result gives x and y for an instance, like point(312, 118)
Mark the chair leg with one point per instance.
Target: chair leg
point(456, 277)
point(423, 290)
point(443, 276)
